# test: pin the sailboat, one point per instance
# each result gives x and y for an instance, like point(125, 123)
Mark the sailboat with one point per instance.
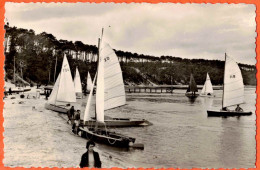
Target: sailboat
point(207, 89)
point(114, 92)
point(77, 85)
point(192, 89)
point(109, 94)
point(233, 90)
point(89, 83)
point(63, 92)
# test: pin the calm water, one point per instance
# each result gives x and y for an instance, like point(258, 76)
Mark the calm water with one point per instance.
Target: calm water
point(181, 135)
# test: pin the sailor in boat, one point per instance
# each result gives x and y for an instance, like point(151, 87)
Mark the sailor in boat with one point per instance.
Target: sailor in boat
point(238, 109)
point(90, 158)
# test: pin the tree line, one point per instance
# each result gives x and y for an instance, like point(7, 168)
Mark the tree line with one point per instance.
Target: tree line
point(37, 58)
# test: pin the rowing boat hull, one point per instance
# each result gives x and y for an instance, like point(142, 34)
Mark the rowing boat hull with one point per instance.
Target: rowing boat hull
point(119, 122)
point(106, 137)
point(56, 108)
point(227, 113)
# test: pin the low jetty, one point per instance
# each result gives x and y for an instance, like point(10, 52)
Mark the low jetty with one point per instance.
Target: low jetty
point(161, 88)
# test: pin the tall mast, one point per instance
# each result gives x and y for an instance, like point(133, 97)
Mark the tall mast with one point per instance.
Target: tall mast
point(99, 43)
point(224, 80)
point(14, 70)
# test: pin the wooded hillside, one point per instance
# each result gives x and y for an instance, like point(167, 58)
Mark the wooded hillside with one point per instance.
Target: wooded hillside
point(35, 56)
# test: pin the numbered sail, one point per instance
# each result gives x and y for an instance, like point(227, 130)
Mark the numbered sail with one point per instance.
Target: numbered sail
point(207, 88)
point(233, 92)
point(54, 92)
point(66, 90)
point(89, 82)
point(77, 82)
point(192, 85)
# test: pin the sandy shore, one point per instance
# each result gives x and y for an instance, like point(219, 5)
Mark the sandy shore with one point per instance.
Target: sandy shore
point(35, 137)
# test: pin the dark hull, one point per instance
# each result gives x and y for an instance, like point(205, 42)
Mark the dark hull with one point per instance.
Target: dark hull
point(191, 96)
point(119, 122)
point(56, 108)
point(106, 137)
point(227, 113)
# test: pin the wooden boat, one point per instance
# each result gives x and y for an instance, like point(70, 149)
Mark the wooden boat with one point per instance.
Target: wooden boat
point(63, 92)
point(192, 89)
point(78, 85)
point(119, 122)
point(107, 61)
point(207, 89)
point(107, 137)
point(233, 90)
point(114, 92)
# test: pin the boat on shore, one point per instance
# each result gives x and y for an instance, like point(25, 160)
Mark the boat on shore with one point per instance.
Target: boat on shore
point(77, 84)
point(63, 93)
point(233, 91)
point(107, 67)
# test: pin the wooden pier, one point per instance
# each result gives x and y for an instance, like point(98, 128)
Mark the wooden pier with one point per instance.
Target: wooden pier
point(160, 89)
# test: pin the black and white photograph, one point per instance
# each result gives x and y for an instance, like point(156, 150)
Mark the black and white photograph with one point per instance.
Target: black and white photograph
point(129, 85)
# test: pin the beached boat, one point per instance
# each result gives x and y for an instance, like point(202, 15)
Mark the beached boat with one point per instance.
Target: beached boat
point(233, 90)
point(63, 92)
point(107, 67)
point(114, 92)
point(77, 84)
point(192, 89)
point(207, 89)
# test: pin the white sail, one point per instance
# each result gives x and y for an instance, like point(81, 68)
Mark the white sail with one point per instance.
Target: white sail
point(54, 92)
point(87, 109)
point(113, 79)
point(89, 82)
point(66, 90)
point(77, 82)
point(207, 88)
point(233, 92)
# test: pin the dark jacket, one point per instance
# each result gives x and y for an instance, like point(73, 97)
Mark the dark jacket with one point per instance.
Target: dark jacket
point(84, 160)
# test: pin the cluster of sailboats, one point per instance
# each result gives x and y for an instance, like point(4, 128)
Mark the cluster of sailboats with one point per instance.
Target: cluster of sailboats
point(233, 90)
point(110, 94)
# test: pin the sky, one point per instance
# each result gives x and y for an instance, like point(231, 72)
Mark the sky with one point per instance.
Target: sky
point(203, 31)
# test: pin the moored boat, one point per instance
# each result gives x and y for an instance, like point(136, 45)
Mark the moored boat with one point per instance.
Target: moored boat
point(106, 63)
point(192, 89)
point(207, 89)
point(63, 92)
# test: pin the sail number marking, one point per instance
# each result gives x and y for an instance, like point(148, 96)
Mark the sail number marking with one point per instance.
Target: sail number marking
point(106, 59)
point(233, 76)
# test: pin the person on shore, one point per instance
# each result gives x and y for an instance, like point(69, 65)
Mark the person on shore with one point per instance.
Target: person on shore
point(238, 109)
point(10, 91)
point(70, 114)
point(75, 126)
point(90, 158)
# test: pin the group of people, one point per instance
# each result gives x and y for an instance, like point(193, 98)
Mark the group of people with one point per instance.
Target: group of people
point(74, 119)
point(90, 158)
